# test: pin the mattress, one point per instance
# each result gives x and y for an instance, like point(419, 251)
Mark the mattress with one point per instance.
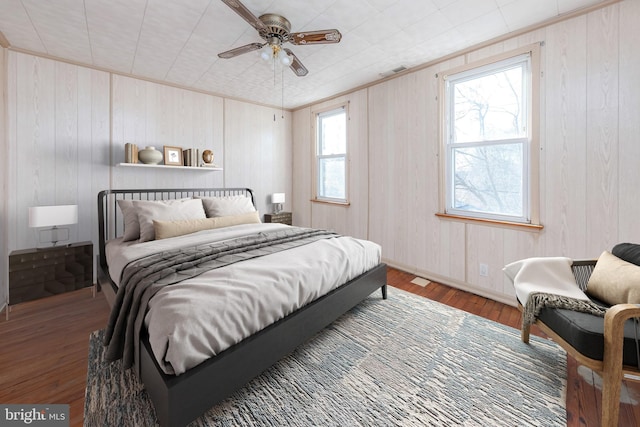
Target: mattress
point(193, 320)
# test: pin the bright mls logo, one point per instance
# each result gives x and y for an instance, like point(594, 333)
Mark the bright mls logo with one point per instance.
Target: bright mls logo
point(36, 415)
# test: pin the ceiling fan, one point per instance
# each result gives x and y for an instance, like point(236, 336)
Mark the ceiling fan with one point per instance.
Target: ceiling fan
point(275, 30)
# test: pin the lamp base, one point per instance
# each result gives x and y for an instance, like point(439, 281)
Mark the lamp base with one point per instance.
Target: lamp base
point(53, 235)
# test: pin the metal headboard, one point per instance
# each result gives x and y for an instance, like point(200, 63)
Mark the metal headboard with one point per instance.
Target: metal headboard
point(110, 225)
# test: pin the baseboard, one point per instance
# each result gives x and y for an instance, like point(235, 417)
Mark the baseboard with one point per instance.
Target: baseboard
point(505, 299)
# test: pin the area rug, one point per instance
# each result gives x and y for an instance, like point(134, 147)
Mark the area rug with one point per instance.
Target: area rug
point(402, 361)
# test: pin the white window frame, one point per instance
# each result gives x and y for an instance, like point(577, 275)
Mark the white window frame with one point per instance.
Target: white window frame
point(530, 142)
point(317, 157)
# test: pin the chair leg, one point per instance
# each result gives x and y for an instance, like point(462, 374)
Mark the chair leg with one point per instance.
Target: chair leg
point(524, 334)
point(611, 376)
point(611, 384)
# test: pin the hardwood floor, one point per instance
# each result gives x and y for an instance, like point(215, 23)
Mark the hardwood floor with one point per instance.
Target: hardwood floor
point(45, 346)
point(44, 350)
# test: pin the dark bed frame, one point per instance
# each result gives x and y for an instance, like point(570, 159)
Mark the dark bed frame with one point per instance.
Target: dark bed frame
point(180, 399)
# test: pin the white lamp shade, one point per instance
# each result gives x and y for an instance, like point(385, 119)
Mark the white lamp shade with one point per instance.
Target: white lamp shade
point(49, 216)
point(277, 198)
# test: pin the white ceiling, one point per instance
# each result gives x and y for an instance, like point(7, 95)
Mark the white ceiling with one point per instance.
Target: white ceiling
point(178, 40)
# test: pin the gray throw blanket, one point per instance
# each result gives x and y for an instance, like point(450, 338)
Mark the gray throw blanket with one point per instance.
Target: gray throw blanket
point(539, 300)
point(143, 278)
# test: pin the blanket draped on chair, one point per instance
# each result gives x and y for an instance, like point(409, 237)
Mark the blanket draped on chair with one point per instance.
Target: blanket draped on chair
point(539, 300)
point(548, 282)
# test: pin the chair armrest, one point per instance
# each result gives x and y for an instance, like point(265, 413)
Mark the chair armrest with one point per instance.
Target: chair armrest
point(614, 321)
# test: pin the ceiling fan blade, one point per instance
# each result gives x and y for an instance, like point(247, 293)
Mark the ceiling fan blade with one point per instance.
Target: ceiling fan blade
point(315, 37)
point(296, 66)
point(240, 50)
point(245, 14)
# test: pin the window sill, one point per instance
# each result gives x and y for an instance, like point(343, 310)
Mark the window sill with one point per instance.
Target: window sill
point(328, 202)
point(505, 224)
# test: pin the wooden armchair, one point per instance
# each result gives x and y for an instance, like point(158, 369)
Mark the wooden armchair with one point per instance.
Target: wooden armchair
point(607, 346)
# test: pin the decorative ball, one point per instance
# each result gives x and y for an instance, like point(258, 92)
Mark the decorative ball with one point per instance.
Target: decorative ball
point(207, 156)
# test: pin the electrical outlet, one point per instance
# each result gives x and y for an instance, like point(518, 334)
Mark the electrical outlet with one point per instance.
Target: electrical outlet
point(484, 269)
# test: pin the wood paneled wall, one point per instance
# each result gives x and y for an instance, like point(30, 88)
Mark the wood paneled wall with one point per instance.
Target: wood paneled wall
point(58, 127)
point(628, 120)
point(4, 165)
point(590, 104)
point(67, 126)
point(151, 114)
point(343, 219)
point(258, 151)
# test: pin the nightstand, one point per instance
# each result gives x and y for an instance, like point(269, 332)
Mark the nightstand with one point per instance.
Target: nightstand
point(282, 218)
point(42, 272)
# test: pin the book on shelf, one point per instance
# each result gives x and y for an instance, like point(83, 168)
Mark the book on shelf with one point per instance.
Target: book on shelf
point(186, 156)
point(130, 153)
point(190, 157)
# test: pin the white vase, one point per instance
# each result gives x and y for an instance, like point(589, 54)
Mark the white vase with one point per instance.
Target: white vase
point(150, 156)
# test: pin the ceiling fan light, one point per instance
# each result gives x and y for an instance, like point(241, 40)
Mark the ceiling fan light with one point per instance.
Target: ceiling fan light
point(266, 53)
point(285, 59)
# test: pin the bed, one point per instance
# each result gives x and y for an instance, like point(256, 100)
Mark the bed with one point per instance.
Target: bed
point(181, 391)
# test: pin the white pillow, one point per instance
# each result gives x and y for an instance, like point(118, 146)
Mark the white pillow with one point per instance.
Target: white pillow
point(130, 220)
point(227, 206)
point(130, 217)
point(168, 210)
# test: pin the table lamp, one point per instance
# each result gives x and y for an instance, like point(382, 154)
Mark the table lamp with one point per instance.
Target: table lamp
point(277, 199)
point(52, 217)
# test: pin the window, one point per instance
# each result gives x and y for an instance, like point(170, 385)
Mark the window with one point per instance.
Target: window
point(331, 155)
point(488, 142)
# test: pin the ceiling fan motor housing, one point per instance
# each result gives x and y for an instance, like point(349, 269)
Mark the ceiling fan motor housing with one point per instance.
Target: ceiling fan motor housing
point(277, 27)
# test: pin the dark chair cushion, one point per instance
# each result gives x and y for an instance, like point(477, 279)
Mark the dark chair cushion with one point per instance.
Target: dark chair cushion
point(629, 252)
point(585, 333)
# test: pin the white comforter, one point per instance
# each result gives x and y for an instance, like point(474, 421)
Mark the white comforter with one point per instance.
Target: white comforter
point(196, 319)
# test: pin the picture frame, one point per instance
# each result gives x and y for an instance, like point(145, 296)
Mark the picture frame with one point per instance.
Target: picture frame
point(173, 156)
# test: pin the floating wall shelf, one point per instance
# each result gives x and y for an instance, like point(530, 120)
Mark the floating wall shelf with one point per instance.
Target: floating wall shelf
point(191, 168)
